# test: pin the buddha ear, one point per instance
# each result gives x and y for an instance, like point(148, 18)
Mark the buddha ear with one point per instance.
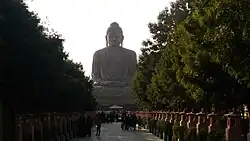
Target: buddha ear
point(106, 37)
point(122, 38)
point(122, 41)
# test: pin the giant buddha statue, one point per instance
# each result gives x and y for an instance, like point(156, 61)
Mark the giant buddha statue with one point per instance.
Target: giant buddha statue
point(113, 67)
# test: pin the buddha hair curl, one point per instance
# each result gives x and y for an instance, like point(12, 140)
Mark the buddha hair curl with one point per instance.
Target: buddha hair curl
point(114, 26)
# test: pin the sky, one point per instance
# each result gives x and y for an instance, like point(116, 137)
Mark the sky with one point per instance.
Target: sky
point(83, 23)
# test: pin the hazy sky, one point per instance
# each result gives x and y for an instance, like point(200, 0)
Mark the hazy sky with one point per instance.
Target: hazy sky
point(83, 23)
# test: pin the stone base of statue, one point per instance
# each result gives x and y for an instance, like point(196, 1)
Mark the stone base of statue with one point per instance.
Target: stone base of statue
point(108, 96)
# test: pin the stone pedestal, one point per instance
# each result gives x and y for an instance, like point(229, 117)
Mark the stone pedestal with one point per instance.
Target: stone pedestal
point(108, 96)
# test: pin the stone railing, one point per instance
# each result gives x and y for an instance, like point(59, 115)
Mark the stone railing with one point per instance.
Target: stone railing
point(46, 127)
point(182, 126)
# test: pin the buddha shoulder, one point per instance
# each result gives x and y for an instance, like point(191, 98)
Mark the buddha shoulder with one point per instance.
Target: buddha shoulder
point(99, 52)
point(130, 52)
point(105, 50)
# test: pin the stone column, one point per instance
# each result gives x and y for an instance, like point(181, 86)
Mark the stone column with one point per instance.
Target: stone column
point(171, 120)
point(233, 130)
point(248, 135)
point(201, 123)
point(191, 124)
point(183, 121)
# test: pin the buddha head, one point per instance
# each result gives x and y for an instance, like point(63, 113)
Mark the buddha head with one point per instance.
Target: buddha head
point(114, 36)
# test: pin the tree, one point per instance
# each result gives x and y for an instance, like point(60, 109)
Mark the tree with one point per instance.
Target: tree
point(148, 60)
point(36, 74)
point(154, 88)
point(210, 52)
point(164, 89)
point(202, 56)
point(213, 32)
point(35, 70)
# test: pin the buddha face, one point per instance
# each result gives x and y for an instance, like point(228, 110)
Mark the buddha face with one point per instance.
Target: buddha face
point(114, 38)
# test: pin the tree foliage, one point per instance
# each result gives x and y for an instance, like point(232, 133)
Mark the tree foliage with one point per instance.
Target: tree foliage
point(36, 74)
point(204, 57)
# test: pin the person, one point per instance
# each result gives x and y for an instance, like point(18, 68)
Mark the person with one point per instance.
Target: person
point(124, 116)
point(139, 122)
point(98, 125)
point(127, 122)
point(116, 117)
point(89, 125)
point(111, 117)
point(102, 114)
point(133, 121)
point(108, 118)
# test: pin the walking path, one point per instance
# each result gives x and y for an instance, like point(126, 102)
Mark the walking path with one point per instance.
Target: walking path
point(113, 132)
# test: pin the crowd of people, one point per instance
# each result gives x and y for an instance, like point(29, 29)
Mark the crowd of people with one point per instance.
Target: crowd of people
point(129, 121)
point(109, 117)
point(85, 123)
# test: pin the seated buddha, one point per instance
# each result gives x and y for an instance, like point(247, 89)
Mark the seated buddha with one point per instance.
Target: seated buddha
point(114, 66)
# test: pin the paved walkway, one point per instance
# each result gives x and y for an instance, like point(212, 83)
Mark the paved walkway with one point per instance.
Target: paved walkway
point(113, 132)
